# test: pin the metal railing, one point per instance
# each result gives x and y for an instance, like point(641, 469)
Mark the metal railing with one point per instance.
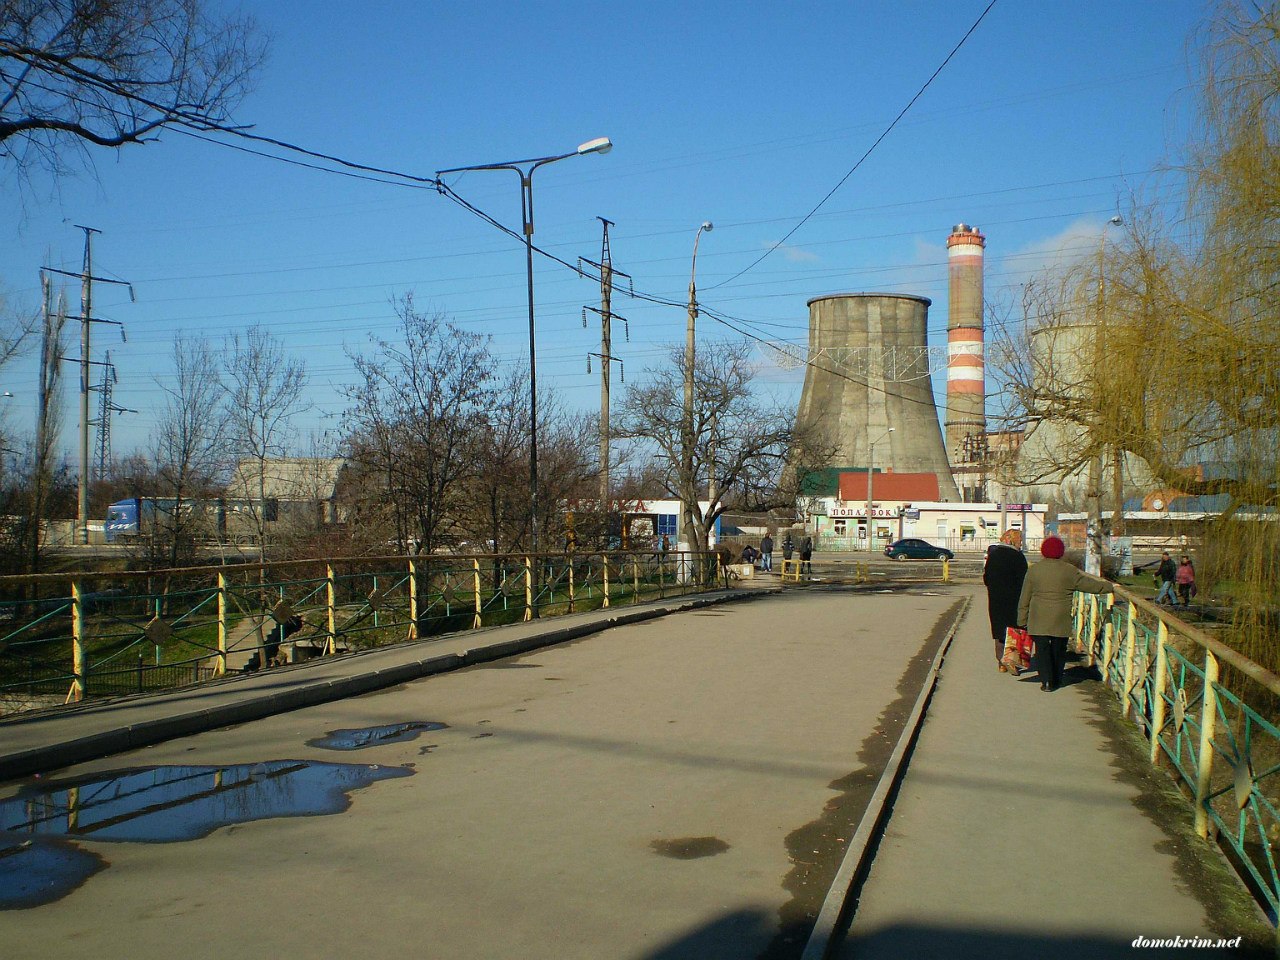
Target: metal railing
point(1225, 754)
point(64, 637)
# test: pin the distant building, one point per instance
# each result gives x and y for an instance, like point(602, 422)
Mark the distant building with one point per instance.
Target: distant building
point(295, 490)
point(907, 505)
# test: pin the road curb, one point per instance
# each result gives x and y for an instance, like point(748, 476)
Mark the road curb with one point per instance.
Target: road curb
point(857, 858)
point(160, 729)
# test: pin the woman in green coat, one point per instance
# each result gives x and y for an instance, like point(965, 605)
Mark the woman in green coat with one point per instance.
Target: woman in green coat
point(1044, 608)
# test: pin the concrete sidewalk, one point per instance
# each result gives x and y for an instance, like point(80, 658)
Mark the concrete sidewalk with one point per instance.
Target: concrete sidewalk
point(1028, 824)
point(48, 740)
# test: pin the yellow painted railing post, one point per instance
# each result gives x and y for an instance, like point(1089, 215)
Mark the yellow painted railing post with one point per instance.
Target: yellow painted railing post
point(1162, 669)
point(528, 589)
point(1128, 670)
point(1077, 618)
point(569, 561)
point(479, 604)
point(1208, 720)
point(78, 682)
point(331, 603)
point(604, 560)
point(413, 599)
point(946, 569)
point(635, 579)
point(662, 578)
point(221, 668)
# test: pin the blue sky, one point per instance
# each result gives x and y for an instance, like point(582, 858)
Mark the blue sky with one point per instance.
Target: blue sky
point(742, 114)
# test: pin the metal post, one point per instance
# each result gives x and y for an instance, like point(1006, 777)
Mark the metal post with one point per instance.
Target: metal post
point(604, 559)
point(413, 599)
point(1208, 720)
point(331, 604)
point(569, 561)
point(222, 626)
point(79, 682)
point(475, 563)
point(528, 589)
point(1157, 707)
point(635, 580)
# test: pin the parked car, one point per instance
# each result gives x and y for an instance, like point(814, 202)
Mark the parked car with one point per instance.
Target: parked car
point(912, 549)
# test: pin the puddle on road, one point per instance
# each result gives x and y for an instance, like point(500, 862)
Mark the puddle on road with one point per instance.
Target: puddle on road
point(689, 848)
point(358, 739)
point(38, 864)
point(36, 871)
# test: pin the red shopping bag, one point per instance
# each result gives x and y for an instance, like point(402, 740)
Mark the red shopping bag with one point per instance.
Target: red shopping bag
point(1017, 650)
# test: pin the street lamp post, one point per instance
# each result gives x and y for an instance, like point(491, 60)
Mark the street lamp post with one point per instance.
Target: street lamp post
point(1093, 525)
point(686, 426)
point(871, 469)
point(524, 170)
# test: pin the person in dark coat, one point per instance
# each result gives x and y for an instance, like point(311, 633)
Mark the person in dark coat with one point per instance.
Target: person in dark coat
point(766, 553)
point(1003, 573)
point(1044, 609)
point(806, 556)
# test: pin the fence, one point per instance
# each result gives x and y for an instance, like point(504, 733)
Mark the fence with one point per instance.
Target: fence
point(64, 637)
point(1170, 680)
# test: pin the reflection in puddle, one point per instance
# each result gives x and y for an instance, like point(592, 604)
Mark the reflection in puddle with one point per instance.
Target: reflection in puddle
point(363, 737)
point(155, 805)
point(35, 871)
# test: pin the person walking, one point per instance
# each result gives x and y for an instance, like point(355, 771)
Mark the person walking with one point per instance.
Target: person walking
point(1044, 608)
point(1003, 571)
point(766, 553)
point(1186, 577)
point(1166, 575)
point(806, 556)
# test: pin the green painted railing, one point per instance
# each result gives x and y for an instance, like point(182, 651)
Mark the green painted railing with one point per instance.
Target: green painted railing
point(64, 637)
point(1223, 751)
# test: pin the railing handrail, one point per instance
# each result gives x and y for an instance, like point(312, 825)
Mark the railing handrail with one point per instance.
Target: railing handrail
point(1226, 654)
point(68, 576)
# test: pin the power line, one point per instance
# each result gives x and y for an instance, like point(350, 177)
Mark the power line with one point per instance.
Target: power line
point(902, 113)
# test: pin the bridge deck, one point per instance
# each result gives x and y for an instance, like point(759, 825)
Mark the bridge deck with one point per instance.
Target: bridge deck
point(682, 787)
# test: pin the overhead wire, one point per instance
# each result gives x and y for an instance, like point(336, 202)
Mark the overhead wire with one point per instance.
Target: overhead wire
point(871, 149)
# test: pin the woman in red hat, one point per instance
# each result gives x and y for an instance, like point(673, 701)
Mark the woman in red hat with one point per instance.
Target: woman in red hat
point(1044, 608)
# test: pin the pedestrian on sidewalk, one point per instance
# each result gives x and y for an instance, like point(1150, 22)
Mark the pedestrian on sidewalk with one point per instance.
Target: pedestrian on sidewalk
point(1166, 575)
point(1044, 608)
point(1003, 571)
point(1186, 577)
point(766, 553)
point(806, 556)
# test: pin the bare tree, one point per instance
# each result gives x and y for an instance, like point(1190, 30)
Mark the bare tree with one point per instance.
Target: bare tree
point(263, 396)
point(417, 419)
point(741, 445)
point(187, 446)
point(76, 73)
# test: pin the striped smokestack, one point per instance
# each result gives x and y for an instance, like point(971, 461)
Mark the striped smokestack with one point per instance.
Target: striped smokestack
point(966, 388)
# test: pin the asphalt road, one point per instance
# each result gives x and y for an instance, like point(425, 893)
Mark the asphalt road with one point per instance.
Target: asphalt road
point(679, 788)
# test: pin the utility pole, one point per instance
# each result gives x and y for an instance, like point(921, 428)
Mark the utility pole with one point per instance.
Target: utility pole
point(86, 318)
point(105, 408)
point(86, 311)
point(103, 422)
point(607, 359)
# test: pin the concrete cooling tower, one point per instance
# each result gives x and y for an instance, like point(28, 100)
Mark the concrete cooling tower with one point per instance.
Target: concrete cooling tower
point(869, 371)
point(1049, 466)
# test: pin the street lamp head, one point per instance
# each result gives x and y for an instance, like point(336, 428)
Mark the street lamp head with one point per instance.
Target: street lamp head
point(891, 429)
point(1116, 221)
point(707, 226)
point(598, 145)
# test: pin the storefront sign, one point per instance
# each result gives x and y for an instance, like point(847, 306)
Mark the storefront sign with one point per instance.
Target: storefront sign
point(883, 513)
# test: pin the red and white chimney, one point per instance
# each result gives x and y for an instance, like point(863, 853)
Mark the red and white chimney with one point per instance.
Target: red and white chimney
point(966, 386)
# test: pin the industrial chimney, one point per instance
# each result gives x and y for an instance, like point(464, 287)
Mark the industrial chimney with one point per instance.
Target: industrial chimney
point(966, 418)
